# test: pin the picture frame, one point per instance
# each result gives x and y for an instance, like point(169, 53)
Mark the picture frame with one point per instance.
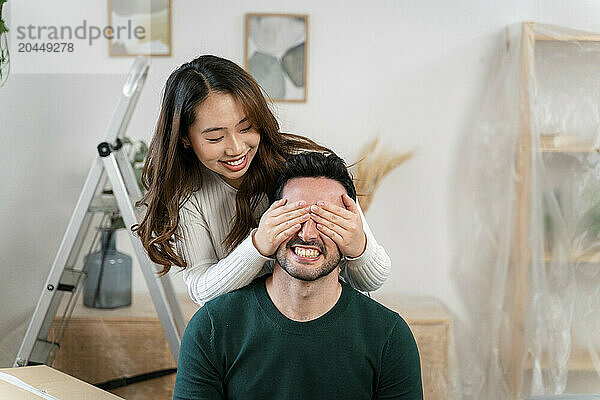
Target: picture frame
point(154, 18)
point(276, 54)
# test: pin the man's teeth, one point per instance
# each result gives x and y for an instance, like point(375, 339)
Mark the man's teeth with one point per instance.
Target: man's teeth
point(308, 253)
point(236, 162)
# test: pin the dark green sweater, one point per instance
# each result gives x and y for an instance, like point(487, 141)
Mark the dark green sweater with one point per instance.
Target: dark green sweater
point(239, 346)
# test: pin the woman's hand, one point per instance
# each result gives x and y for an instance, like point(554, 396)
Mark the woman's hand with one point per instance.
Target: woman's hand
point(343, 226)
point(279, 223)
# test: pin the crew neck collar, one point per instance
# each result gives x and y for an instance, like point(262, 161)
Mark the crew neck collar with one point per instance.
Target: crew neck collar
point(317, 325)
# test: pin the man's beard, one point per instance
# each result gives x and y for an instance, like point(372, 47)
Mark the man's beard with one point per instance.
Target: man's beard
point(307, 273)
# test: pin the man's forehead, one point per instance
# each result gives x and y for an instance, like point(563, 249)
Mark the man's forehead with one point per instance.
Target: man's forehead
point(312, 190)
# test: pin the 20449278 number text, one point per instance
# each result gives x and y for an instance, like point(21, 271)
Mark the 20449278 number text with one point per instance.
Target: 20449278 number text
point(64, 47)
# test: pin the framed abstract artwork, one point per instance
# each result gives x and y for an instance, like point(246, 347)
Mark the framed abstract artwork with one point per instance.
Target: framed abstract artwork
point(276, 54)
point(139, 28)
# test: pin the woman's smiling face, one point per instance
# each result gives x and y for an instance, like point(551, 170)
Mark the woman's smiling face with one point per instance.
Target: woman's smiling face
point(223, 138)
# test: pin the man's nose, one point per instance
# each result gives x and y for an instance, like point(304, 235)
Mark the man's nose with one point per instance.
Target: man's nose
point(308, 231)
point(235, 146)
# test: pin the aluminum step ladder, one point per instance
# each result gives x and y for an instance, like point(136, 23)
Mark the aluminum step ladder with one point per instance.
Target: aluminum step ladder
point(65, 281)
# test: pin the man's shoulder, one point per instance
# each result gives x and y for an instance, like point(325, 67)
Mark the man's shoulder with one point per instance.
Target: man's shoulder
point(376, 314)
point(365, 302)
point(230, 306)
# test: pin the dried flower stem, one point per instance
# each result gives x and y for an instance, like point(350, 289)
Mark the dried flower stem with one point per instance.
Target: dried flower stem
point(371, 168)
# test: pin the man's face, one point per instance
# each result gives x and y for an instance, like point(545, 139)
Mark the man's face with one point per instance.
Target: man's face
point(309, 255)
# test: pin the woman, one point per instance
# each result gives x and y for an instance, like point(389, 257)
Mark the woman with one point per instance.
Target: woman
point(210, 175)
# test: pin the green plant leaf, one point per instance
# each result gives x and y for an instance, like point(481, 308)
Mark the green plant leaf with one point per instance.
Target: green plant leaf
point(139, 157)
point(138, 176)
point(3, 28)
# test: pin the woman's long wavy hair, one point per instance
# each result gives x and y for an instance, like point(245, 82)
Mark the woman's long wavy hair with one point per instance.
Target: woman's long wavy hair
point(172, 172)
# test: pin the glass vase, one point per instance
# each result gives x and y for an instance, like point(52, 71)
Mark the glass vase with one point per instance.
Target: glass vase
point(108, 281)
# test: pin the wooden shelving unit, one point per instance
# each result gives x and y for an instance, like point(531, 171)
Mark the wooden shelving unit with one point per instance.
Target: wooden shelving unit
point(521, 252)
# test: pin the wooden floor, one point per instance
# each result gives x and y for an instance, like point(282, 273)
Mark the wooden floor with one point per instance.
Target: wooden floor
point(155, 389)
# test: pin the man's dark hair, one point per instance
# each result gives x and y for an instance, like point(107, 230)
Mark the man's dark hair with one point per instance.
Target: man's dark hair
point(316, 165)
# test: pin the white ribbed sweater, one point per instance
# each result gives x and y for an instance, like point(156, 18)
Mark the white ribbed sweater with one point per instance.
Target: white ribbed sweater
point(205, 220)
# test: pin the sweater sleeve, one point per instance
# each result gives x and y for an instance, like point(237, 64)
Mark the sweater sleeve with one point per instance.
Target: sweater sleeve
point(371, 269)
point(206, 276)
point(400, 374)
point(199, 375)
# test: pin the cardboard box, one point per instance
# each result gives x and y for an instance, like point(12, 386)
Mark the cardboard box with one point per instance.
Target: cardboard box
point(50, 381)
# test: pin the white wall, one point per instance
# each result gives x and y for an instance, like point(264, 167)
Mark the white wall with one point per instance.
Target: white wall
point(410, 71)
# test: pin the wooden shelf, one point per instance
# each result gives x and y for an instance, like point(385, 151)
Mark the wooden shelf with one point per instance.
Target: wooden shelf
point(580, 360)
point(565, 144)
point(587, 257)
point(568, 38)
point(571, 149)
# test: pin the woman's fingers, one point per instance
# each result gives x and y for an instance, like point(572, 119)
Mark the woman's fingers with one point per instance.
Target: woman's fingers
point(284, 235)
point(331, 217)
point(291, 222)
point(330, 233)
point(328, 224)
point(276, 204)
point(335, 210)
point(342, 225)
point(350, 204)
point(298, 212)
point(287, 208)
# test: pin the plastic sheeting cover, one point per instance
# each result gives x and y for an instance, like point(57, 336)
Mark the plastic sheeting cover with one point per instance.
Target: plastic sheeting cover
point(529, 256)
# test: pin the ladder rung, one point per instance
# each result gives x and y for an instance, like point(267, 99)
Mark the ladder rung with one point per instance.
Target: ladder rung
point(43, 352)
point(104, 203)
point(70, 279)
point(66, 288)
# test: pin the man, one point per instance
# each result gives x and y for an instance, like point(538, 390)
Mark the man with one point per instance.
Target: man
point(300, 333)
